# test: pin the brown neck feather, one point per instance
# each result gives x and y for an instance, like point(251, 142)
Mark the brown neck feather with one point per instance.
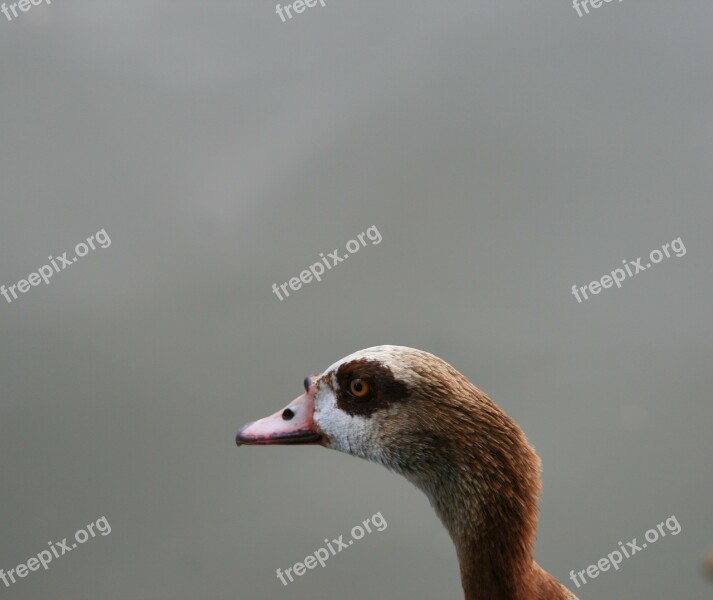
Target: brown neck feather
point(484, 483)
point(490, 511)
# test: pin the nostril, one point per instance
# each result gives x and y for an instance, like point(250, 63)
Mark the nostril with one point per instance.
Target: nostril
point(287, 414)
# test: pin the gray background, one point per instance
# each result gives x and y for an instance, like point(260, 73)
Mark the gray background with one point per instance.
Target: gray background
point(504, 150)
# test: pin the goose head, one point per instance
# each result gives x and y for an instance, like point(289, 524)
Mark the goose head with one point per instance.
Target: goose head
point(392, 405)
point(415, 414)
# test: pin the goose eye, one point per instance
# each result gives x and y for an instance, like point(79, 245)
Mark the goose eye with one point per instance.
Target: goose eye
point(358, 388)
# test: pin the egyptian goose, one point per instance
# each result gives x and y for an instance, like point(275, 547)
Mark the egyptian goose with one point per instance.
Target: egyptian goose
point(415, 414)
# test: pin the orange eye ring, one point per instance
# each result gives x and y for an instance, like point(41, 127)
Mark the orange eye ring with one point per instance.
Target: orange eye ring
point(358, 388)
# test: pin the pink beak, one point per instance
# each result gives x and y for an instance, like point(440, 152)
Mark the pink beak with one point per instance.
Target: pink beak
point(294, 424)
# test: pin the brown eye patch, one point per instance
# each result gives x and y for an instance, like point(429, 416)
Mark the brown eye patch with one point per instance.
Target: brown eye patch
point(365, 386)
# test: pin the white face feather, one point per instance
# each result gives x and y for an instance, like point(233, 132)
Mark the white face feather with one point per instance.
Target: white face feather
point(354, 434)
point(347, 433)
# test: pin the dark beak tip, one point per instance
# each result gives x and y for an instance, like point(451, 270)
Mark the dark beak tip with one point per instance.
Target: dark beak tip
point(239, 439)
